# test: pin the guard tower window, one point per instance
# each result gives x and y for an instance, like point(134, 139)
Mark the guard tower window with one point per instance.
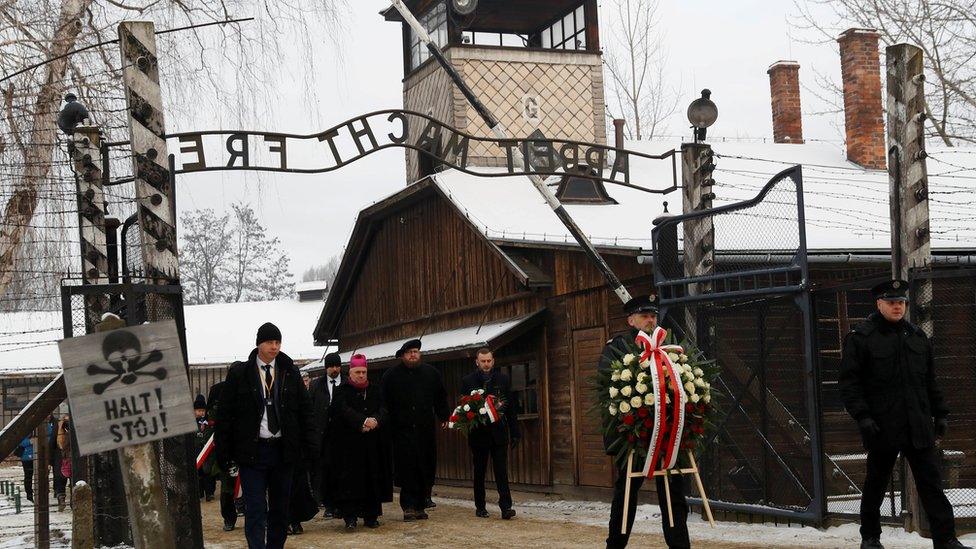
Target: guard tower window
point(580, 186)
point(567, 32)
point(435, 21)
point(494, 39)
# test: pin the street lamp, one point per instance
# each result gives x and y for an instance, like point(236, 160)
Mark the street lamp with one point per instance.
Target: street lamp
point(72, 114)
point(464, 7)
point(702, 113)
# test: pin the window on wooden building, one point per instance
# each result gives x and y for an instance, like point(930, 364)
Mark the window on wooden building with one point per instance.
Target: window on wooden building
point(580, 187)
point(525, 386)
point(566, 33)
point(435, 21)
point(477, 38)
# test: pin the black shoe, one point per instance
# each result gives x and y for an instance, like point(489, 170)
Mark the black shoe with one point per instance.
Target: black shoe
point(371, 523)
point(508, 514)
point(209, 497)
point(329, 512)
point(350, 525)
point(297, 529)
point(409, 515)
point(481, 513)
point(871, 543)
point(429, 504)
point(228, 526)
point(951, 544)
point(422, 515)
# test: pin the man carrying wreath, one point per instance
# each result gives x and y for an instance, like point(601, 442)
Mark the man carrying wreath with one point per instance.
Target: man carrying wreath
point(641, 316)
point(492, 440)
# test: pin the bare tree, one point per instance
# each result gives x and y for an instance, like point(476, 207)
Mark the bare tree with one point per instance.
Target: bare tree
point(48, 47)
point(944, 29)
point(326, 272)
point(205, 246)
point(637, 62)
point(258, 269)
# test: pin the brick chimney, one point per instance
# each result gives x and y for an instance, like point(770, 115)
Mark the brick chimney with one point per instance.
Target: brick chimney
point(784, 90)
point(861, 72)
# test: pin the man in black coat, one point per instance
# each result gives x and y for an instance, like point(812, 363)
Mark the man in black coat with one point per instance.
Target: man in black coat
point(362, 479)
point(323, 393)
point(492, 440)
point(228, 506)
point(887, 383)
point(415, 399)
point(264, 426)
point(642, 316)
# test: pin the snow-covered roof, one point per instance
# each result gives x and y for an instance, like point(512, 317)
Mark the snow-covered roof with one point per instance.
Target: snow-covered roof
point(469, 337)
point(215, 334)
point(846, 206)
point(312, 285)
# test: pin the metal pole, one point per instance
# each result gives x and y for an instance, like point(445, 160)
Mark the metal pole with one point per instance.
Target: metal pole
point(499, 130)
point(42, 519)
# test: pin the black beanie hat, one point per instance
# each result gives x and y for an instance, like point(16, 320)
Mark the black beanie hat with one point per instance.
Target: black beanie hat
point(332, 359)
point(200, 403)
point(268, 332)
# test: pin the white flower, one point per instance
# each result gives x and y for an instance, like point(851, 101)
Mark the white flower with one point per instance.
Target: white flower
point(687, 369)
point(690, 388)
point(624, 407)
point(646, 364)
point(626, 390)
point(614, 392)
point(637, 402)
point(683, 357)
point(457, 410)
point(699, 382)
point(689, 376)
point(673, 357)
point(707, 398)
point(615, 376)
point(708, 385)
point(613, 409)
point(467, 408)
point(694, 398)
point(641, 388)
point(628, 358)
point(641, 376)
point(483, 411)
point(699, 372)
point(626, 375)
point(649, 399)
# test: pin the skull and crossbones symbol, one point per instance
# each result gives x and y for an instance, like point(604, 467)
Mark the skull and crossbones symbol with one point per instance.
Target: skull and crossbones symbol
point(123, 352)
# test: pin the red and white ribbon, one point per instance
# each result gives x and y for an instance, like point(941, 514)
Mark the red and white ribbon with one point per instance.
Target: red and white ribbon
point(493, 415)
point(205, 452)
point(663, 449)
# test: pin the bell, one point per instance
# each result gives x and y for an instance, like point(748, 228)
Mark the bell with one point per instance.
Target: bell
point(72, 114)
point(464, 7)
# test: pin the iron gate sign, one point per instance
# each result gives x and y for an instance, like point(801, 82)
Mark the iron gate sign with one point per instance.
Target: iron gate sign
point(345, 143)
point(127, 386)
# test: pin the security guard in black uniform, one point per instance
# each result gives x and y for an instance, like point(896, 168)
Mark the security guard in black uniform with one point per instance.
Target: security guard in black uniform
point(642, 315)
point(887, 383)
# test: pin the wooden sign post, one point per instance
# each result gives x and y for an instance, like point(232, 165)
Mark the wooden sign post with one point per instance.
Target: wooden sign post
point(666, 473)
point(128, 387)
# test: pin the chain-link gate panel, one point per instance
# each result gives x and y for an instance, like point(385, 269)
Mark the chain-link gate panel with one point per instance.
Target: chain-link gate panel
point(746, 304)
point(135, 303)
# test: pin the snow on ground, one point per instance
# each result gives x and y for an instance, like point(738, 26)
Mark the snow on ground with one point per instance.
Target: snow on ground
point(17, 529)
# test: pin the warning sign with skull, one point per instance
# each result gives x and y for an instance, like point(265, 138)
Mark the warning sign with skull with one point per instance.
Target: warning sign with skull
point(127, 386)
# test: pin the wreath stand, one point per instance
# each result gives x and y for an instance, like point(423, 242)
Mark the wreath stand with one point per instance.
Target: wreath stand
point(666, 473)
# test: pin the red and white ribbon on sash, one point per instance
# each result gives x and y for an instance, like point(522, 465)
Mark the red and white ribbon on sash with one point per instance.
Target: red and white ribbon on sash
point(205, 452)
point(663, 449)
point(493, 415)
point(237, 487)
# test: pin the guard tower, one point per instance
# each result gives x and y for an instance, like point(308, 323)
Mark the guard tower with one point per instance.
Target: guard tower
point(534, 63)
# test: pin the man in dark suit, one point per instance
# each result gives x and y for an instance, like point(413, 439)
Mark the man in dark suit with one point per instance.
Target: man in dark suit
point(323, 390)
point(492, 440)
point(887, 382)
point(265, 426)
point(228, 506)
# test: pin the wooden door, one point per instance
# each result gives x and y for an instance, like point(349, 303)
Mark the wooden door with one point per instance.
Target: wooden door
point(592, 465)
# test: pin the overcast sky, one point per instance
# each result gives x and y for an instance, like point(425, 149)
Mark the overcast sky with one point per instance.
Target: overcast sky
point(721, 45)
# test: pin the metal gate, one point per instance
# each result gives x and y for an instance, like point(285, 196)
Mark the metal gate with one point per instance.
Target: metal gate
point(749, 308)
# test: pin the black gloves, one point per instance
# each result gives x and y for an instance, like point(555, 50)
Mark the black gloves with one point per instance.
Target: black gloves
point(869, 430)
point(941, 427)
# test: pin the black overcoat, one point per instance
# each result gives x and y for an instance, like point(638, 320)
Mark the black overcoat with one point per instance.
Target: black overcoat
point(242, 405)
point(361, 466)
point(887, 374)
point(321, 402)
point(415, 400)
point(500, 385)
